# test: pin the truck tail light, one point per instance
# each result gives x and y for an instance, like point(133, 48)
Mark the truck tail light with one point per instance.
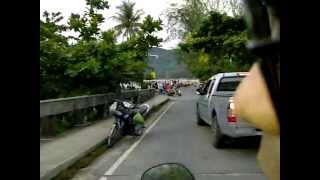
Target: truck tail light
point(232, 119)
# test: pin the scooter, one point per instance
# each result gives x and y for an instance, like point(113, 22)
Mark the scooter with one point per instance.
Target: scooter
point(128, 120)
point(179, 92)
point(174, 92)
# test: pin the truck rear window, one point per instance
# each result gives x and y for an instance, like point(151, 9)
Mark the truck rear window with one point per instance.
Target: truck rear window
point(229, 83)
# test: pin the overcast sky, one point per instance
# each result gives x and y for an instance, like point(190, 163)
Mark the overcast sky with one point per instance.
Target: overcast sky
point(152, 7)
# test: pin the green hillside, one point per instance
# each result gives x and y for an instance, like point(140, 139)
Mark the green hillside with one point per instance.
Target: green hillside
point(167, 65)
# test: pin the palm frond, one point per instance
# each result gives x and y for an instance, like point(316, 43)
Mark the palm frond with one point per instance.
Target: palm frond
point(128, 19)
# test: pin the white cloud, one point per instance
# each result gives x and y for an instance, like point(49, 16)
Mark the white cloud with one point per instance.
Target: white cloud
point(151, 7)
point(66, 7)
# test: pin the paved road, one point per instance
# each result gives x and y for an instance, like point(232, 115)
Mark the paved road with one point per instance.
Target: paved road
point(177, 138)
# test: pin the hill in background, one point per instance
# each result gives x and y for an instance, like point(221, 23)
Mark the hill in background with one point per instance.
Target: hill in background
point(166, 65)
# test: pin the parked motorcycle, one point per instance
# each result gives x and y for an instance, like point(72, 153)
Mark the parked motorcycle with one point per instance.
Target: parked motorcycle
point(128, 120)
point(174, 92)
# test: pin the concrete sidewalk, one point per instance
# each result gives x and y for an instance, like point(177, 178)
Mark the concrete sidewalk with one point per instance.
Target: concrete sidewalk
point(59, 154)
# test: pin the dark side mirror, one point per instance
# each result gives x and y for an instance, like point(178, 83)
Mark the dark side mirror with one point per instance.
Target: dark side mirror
point(168, 171)
point(200, 91)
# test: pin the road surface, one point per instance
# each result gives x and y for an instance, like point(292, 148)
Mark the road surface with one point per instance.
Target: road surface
point(175, 137)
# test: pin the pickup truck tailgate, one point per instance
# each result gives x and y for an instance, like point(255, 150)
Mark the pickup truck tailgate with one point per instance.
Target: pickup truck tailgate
point(244, 124)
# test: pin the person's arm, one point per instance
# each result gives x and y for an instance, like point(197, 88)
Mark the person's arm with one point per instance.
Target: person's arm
point(252, 91)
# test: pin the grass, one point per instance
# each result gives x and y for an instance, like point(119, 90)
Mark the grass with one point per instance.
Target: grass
point(82, 163)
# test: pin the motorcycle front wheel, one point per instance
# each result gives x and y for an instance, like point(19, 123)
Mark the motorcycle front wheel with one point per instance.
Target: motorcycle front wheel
point(113, 136)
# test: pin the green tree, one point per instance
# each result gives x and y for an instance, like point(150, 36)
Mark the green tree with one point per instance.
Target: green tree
point(53, 55)
point(184, 18)
point(138, 46)
point(234, 8)
point(88, 25)
point(128, 19)
point(88, 63)
point(218, 46)
point(95, 62)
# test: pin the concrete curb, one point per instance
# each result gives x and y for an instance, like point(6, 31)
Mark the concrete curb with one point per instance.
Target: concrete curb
point(69, 162)
point(160, 104)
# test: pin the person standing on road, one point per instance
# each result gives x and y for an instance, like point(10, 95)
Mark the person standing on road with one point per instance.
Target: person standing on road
point(168, 88)
point(161, 88)
point(166, 84)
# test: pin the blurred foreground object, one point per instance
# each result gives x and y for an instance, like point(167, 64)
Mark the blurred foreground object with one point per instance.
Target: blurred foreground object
point(257, 98)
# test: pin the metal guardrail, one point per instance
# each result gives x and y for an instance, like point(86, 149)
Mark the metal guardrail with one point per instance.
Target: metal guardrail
point(63, 105)
point(50, 109)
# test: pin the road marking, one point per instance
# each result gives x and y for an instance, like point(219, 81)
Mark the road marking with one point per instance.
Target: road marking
point(114, 167)
point(103, 178)
point(230, 174)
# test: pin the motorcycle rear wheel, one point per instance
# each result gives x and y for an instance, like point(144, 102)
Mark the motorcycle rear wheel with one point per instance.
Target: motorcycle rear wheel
point(139, 131)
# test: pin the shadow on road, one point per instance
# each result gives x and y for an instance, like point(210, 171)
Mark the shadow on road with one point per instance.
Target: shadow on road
point(244, 143)
point(241, 143)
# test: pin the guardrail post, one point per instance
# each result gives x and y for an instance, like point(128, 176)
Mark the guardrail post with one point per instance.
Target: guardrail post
point(139, 97)
point(81, 117)
point(48, 126)
point(102, 111)
point(105, 110)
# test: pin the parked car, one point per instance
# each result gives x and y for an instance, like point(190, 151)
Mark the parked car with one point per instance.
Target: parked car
point(215, 107)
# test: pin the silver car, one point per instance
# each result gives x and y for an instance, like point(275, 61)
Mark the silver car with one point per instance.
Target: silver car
point(215, 107)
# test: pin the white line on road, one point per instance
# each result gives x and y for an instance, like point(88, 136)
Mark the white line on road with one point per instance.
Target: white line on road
point(103, 178)
point(114, 167)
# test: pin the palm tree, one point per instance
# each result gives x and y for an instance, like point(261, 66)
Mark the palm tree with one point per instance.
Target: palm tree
point(128, 19)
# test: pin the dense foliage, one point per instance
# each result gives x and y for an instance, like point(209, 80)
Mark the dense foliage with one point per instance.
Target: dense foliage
point(92, 62)
point(213, 42)
point(184, 17)
point(219, 45)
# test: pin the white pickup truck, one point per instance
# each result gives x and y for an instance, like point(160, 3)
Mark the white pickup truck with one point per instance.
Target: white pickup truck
point(215, 107)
